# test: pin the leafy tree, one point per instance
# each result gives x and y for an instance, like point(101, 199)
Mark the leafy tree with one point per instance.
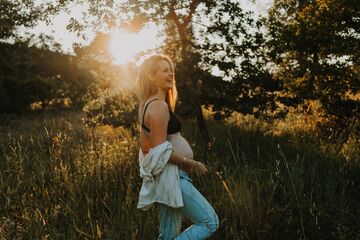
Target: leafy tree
point(33, 69)
point(24, 13)
point(196, 83)
point(109, 99)
point(233, 42)
point(315, 47)
point(139, 13)
point(31, 72)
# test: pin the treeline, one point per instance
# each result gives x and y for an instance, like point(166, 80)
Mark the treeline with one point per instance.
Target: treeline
point(31, 75)
point(37, 77)
point(302, 52)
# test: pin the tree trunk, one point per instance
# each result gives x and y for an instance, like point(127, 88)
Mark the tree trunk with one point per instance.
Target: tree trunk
point(184, 31)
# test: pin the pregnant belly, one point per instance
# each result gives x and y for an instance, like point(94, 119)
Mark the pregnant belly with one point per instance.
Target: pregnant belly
point(181, 146)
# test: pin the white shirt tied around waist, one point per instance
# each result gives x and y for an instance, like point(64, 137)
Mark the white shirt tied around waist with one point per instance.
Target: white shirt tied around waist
point(161, 182)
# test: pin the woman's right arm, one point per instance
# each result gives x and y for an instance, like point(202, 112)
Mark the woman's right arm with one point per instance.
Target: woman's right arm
point(187, 163)
point(158, 123)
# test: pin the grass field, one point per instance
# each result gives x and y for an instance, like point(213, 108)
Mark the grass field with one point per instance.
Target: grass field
point(61, 180)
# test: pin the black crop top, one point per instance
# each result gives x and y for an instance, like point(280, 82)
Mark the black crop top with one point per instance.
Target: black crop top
point(174, 124)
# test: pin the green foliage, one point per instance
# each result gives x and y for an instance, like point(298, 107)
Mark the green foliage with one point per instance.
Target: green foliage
point(239, 54)
point(234, 43)
point(24, 13)
point(31, 70)
point(315, 47)
point(309, 51)
point(103, 106)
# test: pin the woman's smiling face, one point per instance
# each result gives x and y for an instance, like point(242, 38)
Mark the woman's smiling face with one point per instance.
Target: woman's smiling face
point(164, 76)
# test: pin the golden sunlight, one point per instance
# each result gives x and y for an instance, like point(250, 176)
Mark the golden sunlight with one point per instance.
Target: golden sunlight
point(125, 45)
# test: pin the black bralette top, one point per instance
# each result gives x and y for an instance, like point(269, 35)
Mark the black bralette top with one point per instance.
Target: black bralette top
point(174, 124)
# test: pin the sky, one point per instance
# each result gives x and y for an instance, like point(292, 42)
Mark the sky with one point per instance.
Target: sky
point(57, 27)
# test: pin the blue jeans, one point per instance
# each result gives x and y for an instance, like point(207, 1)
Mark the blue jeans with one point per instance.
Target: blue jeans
point(196, 208)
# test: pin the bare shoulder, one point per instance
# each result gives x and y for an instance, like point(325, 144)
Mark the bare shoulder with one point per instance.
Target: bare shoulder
point(158, 109)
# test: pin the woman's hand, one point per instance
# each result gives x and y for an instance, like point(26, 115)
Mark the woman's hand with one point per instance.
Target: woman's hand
point(197, 167)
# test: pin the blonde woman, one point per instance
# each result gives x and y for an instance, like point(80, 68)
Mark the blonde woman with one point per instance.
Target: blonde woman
point(156, 92)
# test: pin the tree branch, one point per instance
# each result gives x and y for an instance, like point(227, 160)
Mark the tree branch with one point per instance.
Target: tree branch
point(193, 6)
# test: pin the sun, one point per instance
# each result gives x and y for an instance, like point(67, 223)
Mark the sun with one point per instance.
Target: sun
point(125, 45)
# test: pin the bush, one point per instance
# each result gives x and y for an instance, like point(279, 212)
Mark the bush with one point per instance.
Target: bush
point(106, 107)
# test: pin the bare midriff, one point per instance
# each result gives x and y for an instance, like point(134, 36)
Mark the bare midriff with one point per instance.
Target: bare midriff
point(181, 146)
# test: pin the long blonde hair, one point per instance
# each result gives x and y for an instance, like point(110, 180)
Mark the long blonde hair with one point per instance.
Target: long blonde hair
point(144, 88)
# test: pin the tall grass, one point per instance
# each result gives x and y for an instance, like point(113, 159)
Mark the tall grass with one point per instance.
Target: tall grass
point(60, 180)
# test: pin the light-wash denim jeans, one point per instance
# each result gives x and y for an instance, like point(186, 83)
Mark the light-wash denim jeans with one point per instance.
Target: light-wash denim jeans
point(196, 208)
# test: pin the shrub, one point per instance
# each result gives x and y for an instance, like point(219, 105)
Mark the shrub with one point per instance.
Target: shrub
point(106, 107)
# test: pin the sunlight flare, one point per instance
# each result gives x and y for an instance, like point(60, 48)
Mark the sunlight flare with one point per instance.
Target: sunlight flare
point(125, 45)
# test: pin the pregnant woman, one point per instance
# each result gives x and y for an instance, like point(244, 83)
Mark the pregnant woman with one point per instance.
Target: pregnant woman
point(156, 91)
